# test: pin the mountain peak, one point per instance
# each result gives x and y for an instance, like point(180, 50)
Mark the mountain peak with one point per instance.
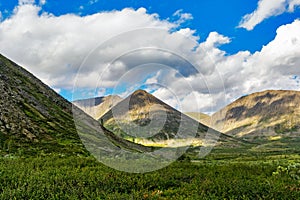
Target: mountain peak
point(140, 94)
point(140, 91)
point(141, 98)
point(142, 115)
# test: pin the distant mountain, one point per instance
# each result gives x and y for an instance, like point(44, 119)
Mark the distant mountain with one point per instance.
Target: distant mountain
point(35, 119)
point(97, 107)
point(263, 115)
point(141, 115)
point(200, 117)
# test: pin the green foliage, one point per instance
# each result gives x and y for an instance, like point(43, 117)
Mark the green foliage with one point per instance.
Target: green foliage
point(284, 128)
point(292, 170)
point(59, 177)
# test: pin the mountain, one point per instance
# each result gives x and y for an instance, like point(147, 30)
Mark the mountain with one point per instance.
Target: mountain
point(97, 107)
point(200, 117)
point(35, 119)
point(143, 118)
point(269, 115)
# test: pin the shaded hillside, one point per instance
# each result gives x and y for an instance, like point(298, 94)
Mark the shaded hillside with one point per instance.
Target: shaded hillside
point(97, 107)
point(141, 115)
point(34, 119)
point(261, 115)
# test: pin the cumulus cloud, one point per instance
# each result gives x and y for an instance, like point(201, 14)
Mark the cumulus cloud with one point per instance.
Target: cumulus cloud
point(182, 17)
point(270, 68)
point(191, 76)
point(52, 47)
point(275, 66)
point(266, 9)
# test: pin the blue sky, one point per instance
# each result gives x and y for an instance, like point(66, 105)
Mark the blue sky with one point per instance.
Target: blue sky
point(240, 37)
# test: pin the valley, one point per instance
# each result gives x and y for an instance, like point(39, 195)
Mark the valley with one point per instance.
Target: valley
point(47, 153)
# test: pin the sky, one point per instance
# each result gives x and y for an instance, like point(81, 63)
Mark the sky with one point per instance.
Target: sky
point(197, 56)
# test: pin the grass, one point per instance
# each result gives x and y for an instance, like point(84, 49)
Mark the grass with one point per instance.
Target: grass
point(56, 176)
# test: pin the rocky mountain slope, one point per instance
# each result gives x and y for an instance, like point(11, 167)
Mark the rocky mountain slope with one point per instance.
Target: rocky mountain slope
point(34, 119)
point(32, 116)
point(97, 107)
point(143, 116)
point(263, 115)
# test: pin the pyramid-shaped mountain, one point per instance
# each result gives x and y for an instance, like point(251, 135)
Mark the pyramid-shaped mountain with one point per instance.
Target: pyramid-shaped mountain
point(142, 115)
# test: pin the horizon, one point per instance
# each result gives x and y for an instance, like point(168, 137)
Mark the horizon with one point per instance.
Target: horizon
point(182, 111)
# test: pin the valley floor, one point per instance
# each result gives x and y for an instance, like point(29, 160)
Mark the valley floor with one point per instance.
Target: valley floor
point(218, 176)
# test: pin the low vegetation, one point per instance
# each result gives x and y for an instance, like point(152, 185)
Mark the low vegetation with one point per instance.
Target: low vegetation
point(217, 176)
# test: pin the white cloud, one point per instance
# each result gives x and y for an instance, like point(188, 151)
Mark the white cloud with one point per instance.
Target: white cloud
point(293, 4)
point(54, 47)
point(270, 68)
point(266, 9)
point(243, 73)
point(214, 39)
point(182, 17)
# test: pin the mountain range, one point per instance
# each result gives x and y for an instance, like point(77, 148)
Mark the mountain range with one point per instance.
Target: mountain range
point(34, 118)
point(267, 115)
point(145, 119)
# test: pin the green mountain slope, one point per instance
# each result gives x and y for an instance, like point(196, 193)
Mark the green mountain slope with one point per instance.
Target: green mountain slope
point(35, 119)
point(143, 118)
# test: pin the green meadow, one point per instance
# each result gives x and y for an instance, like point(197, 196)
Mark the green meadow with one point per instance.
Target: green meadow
point(223, 174)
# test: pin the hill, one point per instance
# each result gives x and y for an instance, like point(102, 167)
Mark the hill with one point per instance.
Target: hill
point(34, 119)
point(97, 107)
point(143, 118)
point(264, 115)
